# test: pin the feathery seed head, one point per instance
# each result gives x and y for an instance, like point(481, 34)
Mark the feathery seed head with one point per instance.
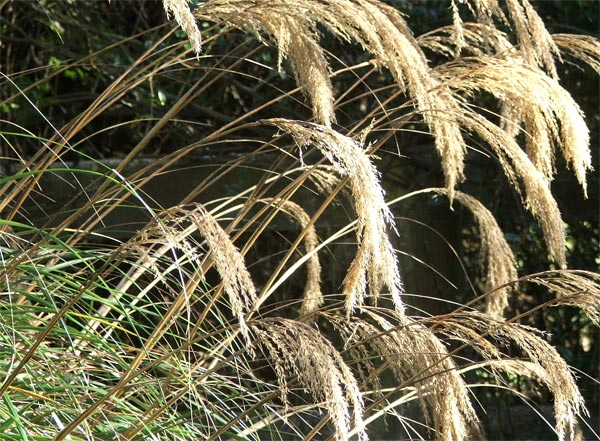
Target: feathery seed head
point(579, 289)
point(496, 255)
point(375, 261)
point(536, 43)
point(185, 19)
point(313, 297)
point(420, 359)
point(228, 261)
point(547, 365)
point(519, 169)
point(295, 347)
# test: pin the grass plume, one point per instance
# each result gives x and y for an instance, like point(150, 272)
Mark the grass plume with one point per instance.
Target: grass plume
point(375, 260)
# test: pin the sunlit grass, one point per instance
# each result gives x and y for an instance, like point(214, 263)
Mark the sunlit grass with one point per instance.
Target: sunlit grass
point(265, 298)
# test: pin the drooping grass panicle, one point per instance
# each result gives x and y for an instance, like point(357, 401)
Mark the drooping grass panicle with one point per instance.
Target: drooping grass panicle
point(497, 259)
point(165, 248)
point(422, 369)
point(310, 67)
point(579, 289)
point(420, 360)
point(550, 367)
point(313, 297)
point(185, 19)
point(379, 28)
point(293, 27)
point(177, 225)
point(581, 47)
point(405, 60)
point(295, 347)
point(486, 10)
point(551, 117)
point(229, 262)
point(520, 171)
point(533, 372)
point(536, 43)
point(480, 40)
point(457, 34)
point(375, 261)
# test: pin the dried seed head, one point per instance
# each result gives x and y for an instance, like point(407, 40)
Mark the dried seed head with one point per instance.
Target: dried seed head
point(229, 262)
point(496, 256)
point(181, 222)
point(519, 169)
point(379, 29)
point(294, 347)
point(421, 362)
point(548, 366)
point(186, 21)
point(375, 261)
point(536, 43)
point(313, 297)
point(583, 47)
point(551, 118)
point(579, 289)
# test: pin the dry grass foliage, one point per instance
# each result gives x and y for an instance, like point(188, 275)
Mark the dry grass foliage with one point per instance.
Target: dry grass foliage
point(520, 170)
point(422, 370)
point(186, 20)
point(375, 260)
point(379, 29)
point(546, 363)
point(294, 347)
point(550, 117)
point(575, 288)
point(497, 259)
point(313, 297)
point(148, 341)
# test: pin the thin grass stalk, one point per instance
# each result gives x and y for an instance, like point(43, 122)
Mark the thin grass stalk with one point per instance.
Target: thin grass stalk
point(342, 18)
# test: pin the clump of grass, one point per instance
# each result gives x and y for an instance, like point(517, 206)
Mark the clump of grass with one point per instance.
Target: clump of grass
point(124, 316)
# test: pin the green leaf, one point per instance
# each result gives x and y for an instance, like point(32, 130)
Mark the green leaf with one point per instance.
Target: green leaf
point(161, 97)
point(15, 417)
point(54, 62)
